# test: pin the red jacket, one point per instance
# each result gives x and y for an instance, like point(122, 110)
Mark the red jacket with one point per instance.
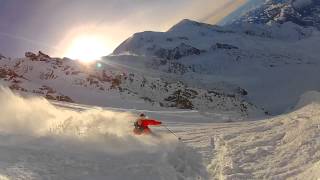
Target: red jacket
point(149, 122)
point(143, 128)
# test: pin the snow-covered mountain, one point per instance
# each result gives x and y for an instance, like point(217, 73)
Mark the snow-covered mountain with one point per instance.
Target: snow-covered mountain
point(192, 66)
point(274, 63)
point(301, 12)
point(106, 85)
point(237, 68)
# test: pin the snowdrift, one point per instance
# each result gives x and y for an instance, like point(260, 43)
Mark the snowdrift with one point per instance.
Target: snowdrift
point(284, 147)
point(40, 141)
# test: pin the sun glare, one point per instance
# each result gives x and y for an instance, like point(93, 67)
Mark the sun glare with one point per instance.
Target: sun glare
point(87, 48)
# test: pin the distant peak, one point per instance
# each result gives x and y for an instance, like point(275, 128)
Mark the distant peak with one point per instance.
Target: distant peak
point(187, 23)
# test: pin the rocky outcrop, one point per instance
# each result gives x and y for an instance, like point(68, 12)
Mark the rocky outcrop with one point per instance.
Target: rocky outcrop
point(301, 12)
point(178, 52)
point(224, 46)
point(181, 99)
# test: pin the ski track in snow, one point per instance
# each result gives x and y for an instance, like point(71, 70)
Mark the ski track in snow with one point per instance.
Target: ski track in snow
point(256, 150)
point(283, 147)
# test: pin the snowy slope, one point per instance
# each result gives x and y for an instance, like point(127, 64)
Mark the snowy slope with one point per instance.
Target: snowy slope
point(275, 64)
point(285, 147)
point(106, 84)
point(71, 141)
point(43, 142)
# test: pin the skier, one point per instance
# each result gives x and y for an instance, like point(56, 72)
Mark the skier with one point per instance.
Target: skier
point(141, 125)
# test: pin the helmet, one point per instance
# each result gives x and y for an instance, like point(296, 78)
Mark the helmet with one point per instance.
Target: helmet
point(142, 115)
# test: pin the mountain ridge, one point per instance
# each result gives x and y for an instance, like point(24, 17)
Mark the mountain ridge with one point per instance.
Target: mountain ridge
point(200, 54)
point(239, 63)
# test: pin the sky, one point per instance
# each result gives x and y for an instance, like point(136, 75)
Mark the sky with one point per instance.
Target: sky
point(67, 27)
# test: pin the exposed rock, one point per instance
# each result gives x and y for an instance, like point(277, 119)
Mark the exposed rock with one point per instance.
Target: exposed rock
point(180, 99)
point(31, 56)
point(64, 98)
point(224, 46)
point(178, 52)
point(17, 88)
point(301, 12)
point(38, 57)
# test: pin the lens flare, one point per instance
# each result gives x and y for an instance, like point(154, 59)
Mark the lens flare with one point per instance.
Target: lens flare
point(99, 65)
point(87, 48)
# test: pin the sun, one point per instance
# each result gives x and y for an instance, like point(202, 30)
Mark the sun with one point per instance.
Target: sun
point(87, 48)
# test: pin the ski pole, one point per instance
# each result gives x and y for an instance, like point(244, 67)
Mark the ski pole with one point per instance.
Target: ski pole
point(179, 138)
